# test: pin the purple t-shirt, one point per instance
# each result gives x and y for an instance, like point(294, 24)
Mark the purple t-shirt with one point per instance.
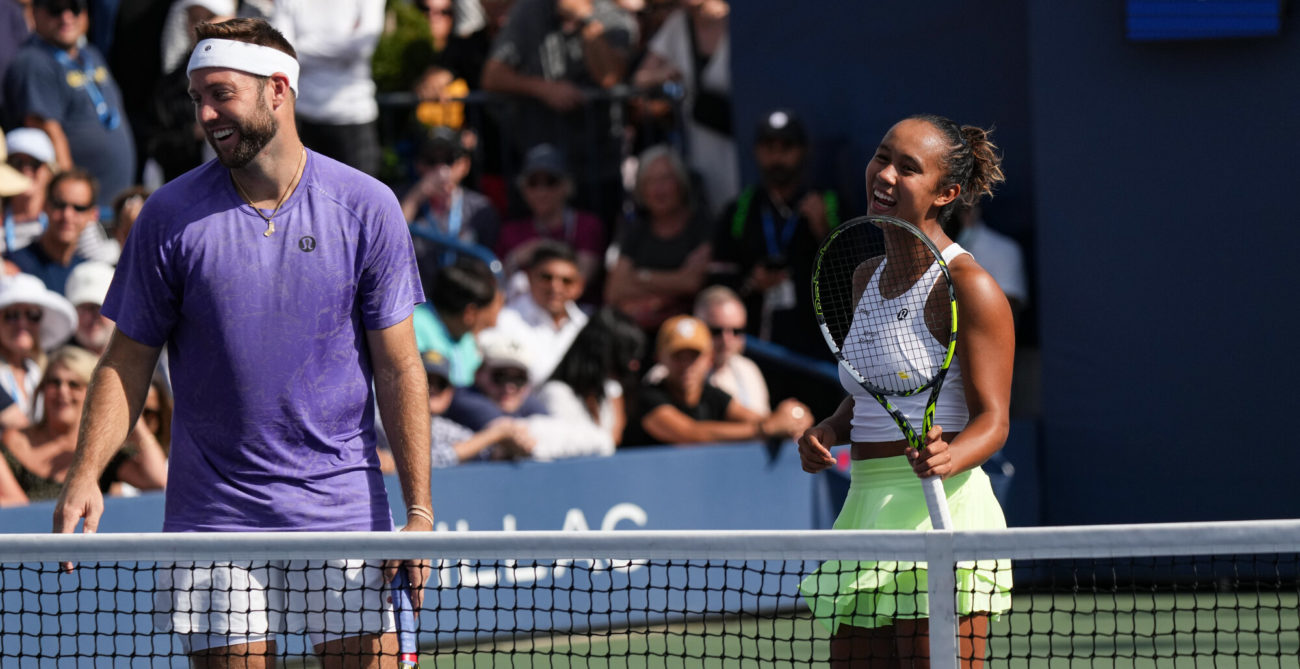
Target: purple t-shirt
point(266, 336)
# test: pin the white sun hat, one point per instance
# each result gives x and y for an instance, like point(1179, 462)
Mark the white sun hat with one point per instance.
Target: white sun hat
point(59, 317)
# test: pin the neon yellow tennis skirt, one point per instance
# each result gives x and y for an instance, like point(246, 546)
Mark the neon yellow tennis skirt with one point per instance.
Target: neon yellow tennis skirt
point(885, 494)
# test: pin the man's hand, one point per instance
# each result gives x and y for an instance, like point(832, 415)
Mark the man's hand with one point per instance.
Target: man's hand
point(79, 500)
point(417, 571)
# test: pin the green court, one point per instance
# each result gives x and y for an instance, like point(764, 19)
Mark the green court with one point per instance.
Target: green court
point(1050, 631)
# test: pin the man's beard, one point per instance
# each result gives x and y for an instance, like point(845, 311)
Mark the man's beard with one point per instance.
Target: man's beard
point(254, 134)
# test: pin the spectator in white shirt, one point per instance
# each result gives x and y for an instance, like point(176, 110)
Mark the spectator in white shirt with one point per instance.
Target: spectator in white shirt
point(724, 314)
point(335, 40)
point(546, 315)
point(999, 254)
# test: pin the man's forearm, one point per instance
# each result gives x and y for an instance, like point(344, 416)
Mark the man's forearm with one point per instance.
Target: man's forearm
point(404, 408)
point(501, 78)
point(113, 402)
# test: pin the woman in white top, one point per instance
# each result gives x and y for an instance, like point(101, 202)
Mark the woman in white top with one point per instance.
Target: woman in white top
point(584, 396)
point(925, 168)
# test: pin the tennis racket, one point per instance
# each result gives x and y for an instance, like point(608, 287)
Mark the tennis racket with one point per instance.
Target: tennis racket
point(886, 306)
point(408, 644)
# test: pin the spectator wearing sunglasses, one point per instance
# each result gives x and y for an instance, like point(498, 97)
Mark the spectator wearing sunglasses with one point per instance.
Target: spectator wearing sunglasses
point(39, 456)
point(61, 84)
point(451, 442)
point(547, 314)
point(546, 187)
point(70, 209)
point(33, 319)
point(502, 385)
point(438, 203)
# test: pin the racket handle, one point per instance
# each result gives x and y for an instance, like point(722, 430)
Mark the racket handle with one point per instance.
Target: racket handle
point(937, 501)
point(404, 612)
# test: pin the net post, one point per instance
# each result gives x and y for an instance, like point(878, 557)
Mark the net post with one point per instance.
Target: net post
point(941, 566)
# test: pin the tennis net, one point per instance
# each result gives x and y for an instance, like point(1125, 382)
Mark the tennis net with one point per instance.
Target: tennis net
point(1214, 594)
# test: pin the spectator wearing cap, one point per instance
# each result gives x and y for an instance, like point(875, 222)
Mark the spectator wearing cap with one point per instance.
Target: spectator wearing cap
point(31, 154)
point(33, 319)
point(70, 208)
point(87, 285)
point(336, 107)
point(549, 56)
point(61, 84)
point(439, 204)
point(502, 384)
point(683, 408)
point(722, 312)
point(766, 239)
point(546, 187)
point(547, 314)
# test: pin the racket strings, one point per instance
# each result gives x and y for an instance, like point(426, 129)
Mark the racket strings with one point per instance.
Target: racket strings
point(877, 306)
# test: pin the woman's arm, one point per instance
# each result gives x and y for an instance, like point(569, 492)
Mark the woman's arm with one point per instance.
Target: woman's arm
point(11, 494)
point(986, 349)
point(671, 426)
point(619, 407)
point(626, 282)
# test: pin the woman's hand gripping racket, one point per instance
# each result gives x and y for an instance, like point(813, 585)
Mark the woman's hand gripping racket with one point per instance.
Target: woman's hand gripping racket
point(886, 306)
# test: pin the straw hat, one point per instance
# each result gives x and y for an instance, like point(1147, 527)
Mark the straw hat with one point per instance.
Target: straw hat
point(12, 182)
point(59, 318)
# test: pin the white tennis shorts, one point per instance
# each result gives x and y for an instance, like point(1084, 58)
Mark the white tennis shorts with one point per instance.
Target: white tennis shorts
point(216, 604)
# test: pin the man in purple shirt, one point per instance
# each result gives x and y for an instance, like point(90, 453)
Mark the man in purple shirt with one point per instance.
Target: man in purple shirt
point(282, 283)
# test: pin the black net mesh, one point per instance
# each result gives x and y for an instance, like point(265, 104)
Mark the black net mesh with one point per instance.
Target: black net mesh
point(1228, 610)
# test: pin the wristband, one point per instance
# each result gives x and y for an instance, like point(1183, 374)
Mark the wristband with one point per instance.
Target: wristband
point(421, 512)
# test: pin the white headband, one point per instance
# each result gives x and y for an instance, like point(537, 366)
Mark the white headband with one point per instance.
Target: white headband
point(262, 61)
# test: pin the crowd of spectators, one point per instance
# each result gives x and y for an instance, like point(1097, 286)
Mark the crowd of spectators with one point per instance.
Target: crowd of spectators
point(591, 261)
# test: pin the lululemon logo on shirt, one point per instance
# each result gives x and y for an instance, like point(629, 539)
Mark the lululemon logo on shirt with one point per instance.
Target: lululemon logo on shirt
point(307, 244)
point(902, 315)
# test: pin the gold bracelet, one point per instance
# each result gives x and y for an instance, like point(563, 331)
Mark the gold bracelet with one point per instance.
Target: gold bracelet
point(420, 511)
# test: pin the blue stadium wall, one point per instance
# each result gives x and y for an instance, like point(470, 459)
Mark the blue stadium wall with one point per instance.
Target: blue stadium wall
point(1154, 184)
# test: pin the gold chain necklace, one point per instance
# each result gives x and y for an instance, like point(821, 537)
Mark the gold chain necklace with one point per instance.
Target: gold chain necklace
point(270, 225)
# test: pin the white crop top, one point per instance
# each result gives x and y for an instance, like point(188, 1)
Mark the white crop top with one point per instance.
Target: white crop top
point(871, 423)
